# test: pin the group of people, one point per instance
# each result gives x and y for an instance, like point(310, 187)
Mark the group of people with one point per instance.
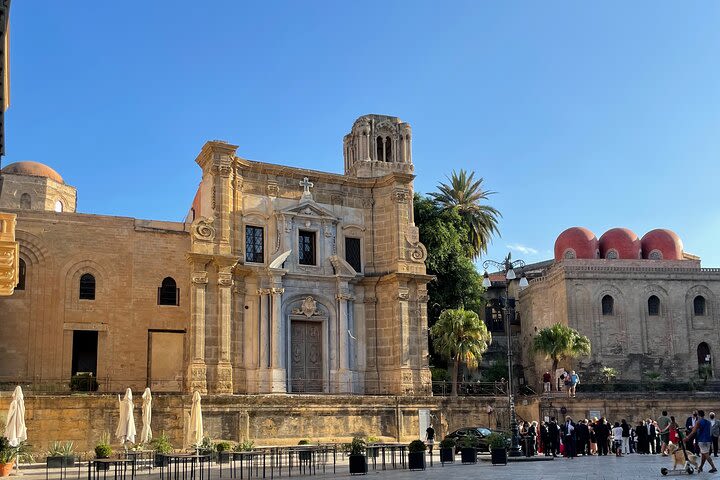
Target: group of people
point(563, 379)
point(599, 436)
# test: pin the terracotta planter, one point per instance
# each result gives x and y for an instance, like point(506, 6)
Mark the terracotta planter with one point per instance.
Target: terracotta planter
point(6, 468)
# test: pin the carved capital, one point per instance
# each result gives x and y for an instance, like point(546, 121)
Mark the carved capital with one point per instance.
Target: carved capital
point(273, 189)
point(223, 169)
point(225, 279)
point(344, 296)
point(277, 291)
point(263, 291)
point(199, 278)
point(401, 195)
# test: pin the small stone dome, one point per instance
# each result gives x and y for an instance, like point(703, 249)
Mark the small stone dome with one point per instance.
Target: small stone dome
point(661, 244)
point(620, 243)
point(576, 242)
point(34, 169)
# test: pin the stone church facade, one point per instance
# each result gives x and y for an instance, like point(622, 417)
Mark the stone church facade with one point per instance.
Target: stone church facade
point(280, 279)
point(645, 304)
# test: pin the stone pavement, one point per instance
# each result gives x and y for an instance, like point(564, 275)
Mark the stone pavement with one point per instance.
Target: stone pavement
point(631, 467)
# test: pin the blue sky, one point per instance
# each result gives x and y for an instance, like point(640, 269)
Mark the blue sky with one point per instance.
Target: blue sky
point(599, 114)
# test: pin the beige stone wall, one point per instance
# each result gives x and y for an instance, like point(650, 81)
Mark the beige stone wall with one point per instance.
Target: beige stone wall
point(631, 340)
point(128, 259)
point(43, 192)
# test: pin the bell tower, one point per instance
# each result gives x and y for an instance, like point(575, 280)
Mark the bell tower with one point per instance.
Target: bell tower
point(378, 145)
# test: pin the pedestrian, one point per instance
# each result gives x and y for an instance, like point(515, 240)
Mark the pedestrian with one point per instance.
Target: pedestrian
point(701, 433)
point(430, 438)
point(568, 431)
point(532, 435)
point(674, 432)
point(593, 437)
point(545, 439)
point(602, 432)
point(663, 425)
point(617, 432)
point(546, 381)
point(554, 433)
point(642, 438)
point(625, 436)
point(574, 380)
point(691, 444)
point(651, 435)
point(715, 432)
point(582, 434)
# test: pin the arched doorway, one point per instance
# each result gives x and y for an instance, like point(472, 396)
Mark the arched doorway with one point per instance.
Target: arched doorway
point(704, 360)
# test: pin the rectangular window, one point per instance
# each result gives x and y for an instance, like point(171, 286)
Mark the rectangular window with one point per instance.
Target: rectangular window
point(306, 248)
point(254, 244)
point(352, 253)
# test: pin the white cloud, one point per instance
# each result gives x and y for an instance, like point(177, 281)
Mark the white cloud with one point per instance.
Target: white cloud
point(522, 249)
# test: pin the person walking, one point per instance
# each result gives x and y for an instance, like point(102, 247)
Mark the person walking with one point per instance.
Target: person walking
point(574, 380)
point(663, 423)
point(430, 438)
point(701, 433)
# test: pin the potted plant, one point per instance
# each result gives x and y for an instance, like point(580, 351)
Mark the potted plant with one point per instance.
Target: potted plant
point(103, 450)
point(498, 448)
point(206, 447)
point(468, 449)
point(358, 460)
point(447, 450)
point(416, 455)
point(60, 454)
point(8, 455)
point(161, 445)
point(223, 451)
point(304, 455)
point(373, 452)
point(244, 446)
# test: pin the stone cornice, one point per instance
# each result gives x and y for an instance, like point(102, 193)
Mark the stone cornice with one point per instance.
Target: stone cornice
point(214, 146)
point(333, 178)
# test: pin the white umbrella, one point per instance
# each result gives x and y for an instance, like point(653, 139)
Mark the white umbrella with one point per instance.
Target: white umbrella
point(146, 432)
point(15, 430)
point(126, 427)
point(195, 426)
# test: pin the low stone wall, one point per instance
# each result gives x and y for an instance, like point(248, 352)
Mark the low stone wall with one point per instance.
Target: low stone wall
point(265, 419)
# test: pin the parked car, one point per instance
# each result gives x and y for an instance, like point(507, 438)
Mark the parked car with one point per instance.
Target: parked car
point(479, 435)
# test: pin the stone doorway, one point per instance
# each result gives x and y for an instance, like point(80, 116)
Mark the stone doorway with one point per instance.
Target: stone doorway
point(704, 359)
point(84, 352)
point(306, 359)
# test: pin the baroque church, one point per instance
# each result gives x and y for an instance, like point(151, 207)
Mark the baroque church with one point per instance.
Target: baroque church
point(280, 279)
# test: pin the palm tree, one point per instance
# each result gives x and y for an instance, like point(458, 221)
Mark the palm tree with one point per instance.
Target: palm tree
point(465, 194)
point(460, 336)
point(559, 342)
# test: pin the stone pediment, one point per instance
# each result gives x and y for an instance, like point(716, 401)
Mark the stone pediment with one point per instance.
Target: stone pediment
point(310, 209)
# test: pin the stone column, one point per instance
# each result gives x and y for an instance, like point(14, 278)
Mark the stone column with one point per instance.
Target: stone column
point(223, 194)
point(344, 375)
point(263, 328)
point(196, 379)
point(224, 373)
point(277, 374)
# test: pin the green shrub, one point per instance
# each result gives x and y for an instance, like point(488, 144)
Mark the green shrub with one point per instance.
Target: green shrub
point(244, 446)
point(304, 442)
point(161, 444)
point(497, 440)
point(448, 443)
point(356, 447)
point(417, 446)
point(468, 441)
point(223, 447)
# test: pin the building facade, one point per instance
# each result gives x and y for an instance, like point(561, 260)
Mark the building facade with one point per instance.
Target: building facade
point(646, 305)
point(279, 280)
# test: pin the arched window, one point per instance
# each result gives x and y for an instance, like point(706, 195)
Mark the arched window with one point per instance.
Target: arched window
point(58, 206)
point(87, 287)
point(21, 275)
point(653, 305)
point(611, 254)
point(25, 201)
point(607, 305)
point(379, 148)
point(699, 306)
point(168, 293)
point(388, 149)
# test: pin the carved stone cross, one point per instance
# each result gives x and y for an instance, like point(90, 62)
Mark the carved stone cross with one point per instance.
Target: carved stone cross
point(306, 184)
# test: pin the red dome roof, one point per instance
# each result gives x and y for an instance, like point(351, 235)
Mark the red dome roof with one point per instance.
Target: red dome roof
point(34, 169)
point(620, 243)
point(661, 244)
point(576, 242)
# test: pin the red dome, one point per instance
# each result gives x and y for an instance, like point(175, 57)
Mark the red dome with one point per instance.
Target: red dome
point(620, 243)
point(576, 242)
point(32, 168)
point(661, 244)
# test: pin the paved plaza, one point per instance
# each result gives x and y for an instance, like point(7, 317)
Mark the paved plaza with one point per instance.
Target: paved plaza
point(632, 467)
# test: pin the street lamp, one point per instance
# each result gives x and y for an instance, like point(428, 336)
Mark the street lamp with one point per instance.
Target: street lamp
point(509, 268)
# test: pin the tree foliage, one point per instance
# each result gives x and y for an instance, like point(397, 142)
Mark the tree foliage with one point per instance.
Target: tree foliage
point(560, 342)
point(460, 336)
point(466, 196)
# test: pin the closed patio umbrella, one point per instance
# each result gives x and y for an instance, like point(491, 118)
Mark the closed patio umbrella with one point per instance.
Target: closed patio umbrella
point(194, 431)
point(146, 432)
point(126, 426)
point(15, 430)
